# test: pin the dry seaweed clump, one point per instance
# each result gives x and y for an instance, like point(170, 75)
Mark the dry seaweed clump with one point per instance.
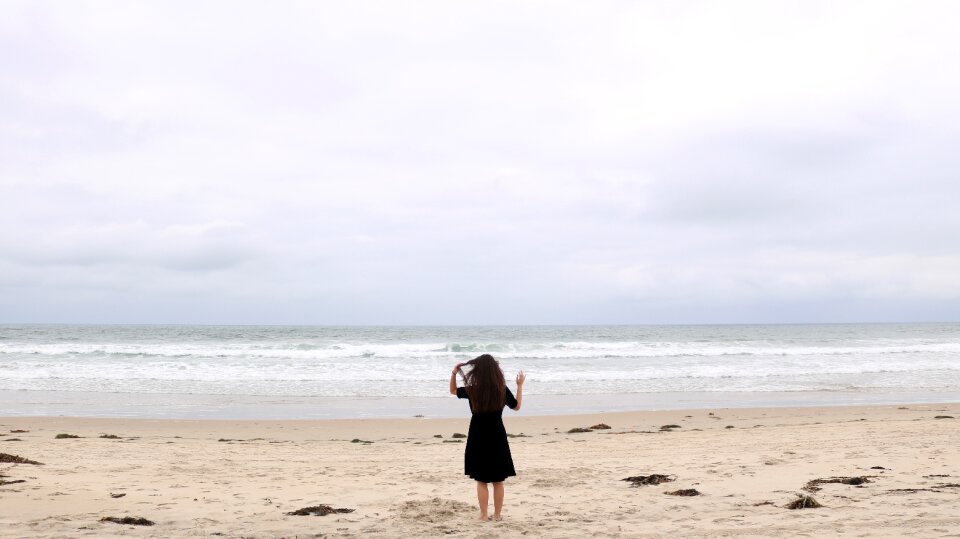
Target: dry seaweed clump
point(685, 492)
point(652, 479)
point(135, 521)
point(4, 483)
point(668, 428)
point(63, 435)
point(804, 502)
point(578, 430)
point(600, 426)
point(814, 485)
point(319, 510)
point(15, 459)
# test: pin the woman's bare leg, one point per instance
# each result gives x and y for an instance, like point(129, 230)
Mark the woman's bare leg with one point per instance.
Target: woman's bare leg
point(497, 499)
point(483, 497)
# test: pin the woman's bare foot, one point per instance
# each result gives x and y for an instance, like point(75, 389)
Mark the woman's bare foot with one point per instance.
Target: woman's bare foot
point(497, 518)
point(483, 517)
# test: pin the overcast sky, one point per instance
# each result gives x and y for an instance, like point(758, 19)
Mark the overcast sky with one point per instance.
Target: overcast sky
point(479, 162)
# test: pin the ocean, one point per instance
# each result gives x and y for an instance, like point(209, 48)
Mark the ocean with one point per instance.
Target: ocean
point(298, 372)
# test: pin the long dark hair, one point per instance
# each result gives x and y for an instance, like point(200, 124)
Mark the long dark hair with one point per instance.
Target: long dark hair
point(485, 384)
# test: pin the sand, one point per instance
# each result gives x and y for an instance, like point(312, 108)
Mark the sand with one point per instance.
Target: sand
point(239, 478)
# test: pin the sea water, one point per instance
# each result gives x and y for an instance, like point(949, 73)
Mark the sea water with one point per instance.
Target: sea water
point(306, 372)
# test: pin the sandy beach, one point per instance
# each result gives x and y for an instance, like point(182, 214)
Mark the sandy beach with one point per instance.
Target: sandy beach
point(403, 478)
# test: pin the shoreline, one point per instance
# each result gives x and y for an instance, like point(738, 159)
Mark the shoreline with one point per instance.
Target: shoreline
point(21, 403)
point(239, 478)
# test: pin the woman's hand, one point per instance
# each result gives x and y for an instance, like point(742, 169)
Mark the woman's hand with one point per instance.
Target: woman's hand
point(520, 378)
point(457, 367)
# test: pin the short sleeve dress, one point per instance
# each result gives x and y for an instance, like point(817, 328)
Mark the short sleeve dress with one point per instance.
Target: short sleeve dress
point(487, 456)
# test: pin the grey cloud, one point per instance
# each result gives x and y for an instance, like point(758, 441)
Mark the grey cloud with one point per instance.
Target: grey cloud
point(460, 163)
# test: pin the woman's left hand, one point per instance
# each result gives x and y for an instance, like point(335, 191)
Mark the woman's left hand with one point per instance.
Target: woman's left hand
point(520, 378)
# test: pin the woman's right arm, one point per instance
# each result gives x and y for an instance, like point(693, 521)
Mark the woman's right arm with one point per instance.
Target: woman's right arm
point(520, 379)
point(453, 379)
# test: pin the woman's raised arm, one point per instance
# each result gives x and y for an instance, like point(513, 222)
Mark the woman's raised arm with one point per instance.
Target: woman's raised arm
point(453, 379)
point(520, 379)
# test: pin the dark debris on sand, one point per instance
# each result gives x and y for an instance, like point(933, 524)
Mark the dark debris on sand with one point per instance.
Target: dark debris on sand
point(600, 426)
point(578, 430)
point(135, 521)
point(943, 417)
point(64, 435)
point(814, 485)
point(804, 502)
point(911, 490)
point(652, 479)
point(14, 459)
point(14, 482)
point(934, 488)
point(319, 510)
point(684, 492)
point(667, 428)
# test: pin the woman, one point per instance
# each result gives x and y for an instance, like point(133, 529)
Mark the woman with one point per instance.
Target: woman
point(487, 457)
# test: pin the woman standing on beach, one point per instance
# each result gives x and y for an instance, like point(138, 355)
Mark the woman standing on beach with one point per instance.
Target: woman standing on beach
point(487, 456)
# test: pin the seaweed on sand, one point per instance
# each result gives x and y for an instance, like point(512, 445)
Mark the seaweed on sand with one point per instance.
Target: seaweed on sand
point(804, 502)
point(684, 492)
point(319, 510)
point(578, 430)
point(652, 479)
point(15, 459)
point(814, 485)
point(135, 521)
point(600, 426)
point(64, 435)
point(15, 481)
point(668, 428)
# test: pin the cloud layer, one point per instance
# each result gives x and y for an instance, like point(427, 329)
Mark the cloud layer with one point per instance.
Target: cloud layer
point(445, 163)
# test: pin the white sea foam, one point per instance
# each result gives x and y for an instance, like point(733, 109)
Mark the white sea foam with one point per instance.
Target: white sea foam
point(414, 362)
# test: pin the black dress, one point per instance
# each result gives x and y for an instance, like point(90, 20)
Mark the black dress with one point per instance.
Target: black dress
point(487, 456)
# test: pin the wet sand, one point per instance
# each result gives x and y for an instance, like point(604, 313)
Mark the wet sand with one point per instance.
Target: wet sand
point(239, 478)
